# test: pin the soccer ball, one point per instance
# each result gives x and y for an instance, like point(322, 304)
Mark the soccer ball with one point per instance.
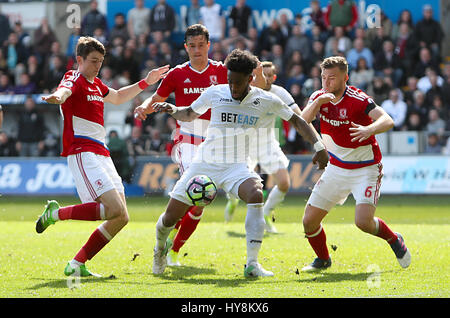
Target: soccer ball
point(201, 190)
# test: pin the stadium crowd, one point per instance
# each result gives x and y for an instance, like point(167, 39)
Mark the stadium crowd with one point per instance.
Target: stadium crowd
point(399, 64)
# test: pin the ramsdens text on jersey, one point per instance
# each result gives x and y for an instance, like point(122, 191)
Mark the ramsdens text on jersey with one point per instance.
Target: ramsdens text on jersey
point(97, 98)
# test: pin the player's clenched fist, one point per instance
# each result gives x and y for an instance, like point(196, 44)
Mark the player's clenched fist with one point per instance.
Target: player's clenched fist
point(321, 158)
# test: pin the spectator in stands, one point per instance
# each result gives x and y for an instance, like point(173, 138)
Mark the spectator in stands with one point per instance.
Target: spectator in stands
point(426, 61)
point(396, 108)
point(285, 26)
point(339, 42)
point(119, 155)
point(100, 35)
point(93, 19)
point(435, 124)
point(156, 145)
point(5, 84)
point(424, 83)
point(362, 75)
point(137, 144)
point(240, 16)
point(14, 52)
point(429, 32)
point(296, 75)
point(107, 77)
point(5, 28)
point(409, 89)
point(359, 50)
point(404, 18)
point(387, 63)
point(72, 44)
point(406, 48)
point(318, 52)
point(435, 89)
point(25, 85)
point(31, 127)
point(317, 15)
point(341, 13)
point(51, 145)
point(43, 37)
point(316, 34)
point(193, 13)
point(7, 145)
point(420, 107)
point(379, 89)
point(54, 72)
point(433, 145)
point(268, 37)
point(23, 37)
point(446, 84)
point(119, 29)
point(213, 18)
point(162, 18)
point(298, 41)
point(442, 109)
point(138, 20)
point(413, 122)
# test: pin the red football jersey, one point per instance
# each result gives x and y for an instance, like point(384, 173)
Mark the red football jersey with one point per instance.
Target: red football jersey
point(187, 84)
point(83, 116)
point(335, 121)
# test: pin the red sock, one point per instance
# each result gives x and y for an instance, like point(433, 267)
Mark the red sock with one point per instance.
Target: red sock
point(385, 232)
point(94, 244)
point(318, 241)
point(188, 225)
point(85, 212)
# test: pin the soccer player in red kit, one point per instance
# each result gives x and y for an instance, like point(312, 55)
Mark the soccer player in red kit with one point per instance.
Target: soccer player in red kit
point(349, 121)
point(81, 95)
point(187, 81)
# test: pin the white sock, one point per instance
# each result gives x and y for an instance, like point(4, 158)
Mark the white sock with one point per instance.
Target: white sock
point(162, 232)
point(74, 263)
point(275, 197)
point(55, 215)
point(254, 228)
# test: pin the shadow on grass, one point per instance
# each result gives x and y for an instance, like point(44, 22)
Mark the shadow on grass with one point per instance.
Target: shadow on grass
point(329, 277)
point(70, 282)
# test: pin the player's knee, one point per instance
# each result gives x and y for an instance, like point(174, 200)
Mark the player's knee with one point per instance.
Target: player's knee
point(255, 196)
point(284, 185)
point(116, 210)
point(196, 210)
point(310, 221)
point(364, 224)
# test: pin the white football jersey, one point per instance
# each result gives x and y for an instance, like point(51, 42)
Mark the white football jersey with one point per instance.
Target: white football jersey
point(235, 126)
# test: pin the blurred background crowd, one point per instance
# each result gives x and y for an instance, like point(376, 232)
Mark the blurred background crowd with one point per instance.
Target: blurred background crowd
point(399, 64)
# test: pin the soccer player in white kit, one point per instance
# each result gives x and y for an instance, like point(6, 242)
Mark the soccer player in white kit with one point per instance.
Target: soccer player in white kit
point(349, 121)
point(237, 111)
point(81, 95)
point(269, 155)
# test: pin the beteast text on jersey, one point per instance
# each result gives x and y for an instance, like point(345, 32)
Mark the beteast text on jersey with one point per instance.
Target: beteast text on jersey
point(239, 119)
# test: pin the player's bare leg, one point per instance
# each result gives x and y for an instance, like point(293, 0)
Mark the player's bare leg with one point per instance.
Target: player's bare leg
point(250, 191)
point(276, 196)
point(175, 210)
point(366, 221)
point(314, 232)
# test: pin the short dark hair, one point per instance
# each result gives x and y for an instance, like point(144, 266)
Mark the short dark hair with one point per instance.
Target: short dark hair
point(87, 44)
point(241, 61)
point(196, 29)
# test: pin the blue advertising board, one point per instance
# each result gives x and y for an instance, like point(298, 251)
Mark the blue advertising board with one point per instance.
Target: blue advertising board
point(264, 11)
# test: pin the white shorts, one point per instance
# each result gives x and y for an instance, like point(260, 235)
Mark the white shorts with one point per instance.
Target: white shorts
point(183, 155)
point(93, 175)
point(270, 161)
point(227, 177)
point(336, 184)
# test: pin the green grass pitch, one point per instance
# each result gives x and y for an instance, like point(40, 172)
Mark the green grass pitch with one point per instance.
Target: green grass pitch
point(31, 265)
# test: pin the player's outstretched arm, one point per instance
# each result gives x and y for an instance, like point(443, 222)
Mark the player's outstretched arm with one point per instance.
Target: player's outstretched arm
point(127, 93)
point(305, 130)
point(146, 107)
point(58, 97)
point(179, 113)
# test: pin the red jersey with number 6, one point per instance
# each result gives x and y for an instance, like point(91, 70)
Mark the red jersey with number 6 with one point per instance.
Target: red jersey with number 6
point(335, 121)
point(83, 116)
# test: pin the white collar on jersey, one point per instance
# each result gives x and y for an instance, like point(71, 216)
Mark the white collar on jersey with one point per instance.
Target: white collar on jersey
point(342, 97)
point(200, 72)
